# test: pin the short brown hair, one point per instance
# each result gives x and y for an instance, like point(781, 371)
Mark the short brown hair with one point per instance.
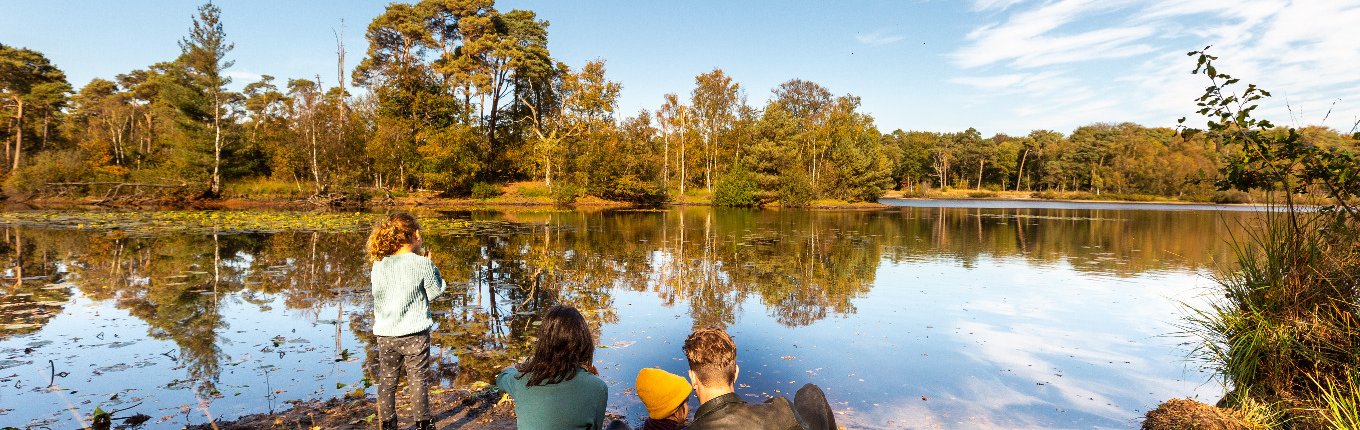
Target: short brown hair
point(712, 356)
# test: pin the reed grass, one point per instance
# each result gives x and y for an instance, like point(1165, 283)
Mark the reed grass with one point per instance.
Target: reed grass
point(1285, 333)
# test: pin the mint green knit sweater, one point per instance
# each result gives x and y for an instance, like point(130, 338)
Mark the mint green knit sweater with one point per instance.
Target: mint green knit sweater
point(403, 286)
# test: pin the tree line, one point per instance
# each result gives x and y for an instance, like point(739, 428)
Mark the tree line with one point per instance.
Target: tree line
point(458, 94)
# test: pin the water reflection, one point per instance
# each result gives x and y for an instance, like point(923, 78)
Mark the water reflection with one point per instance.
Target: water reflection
point(209, 295)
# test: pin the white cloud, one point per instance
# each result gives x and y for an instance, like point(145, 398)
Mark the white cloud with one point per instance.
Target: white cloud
point(1063, 63)
point(993, 5)
point(1029, 38)
point(998, 82)
point(878, 38)
point(242, 77)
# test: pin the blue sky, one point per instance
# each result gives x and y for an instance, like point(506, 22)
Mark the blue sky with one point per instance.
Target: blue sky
point(998, 65)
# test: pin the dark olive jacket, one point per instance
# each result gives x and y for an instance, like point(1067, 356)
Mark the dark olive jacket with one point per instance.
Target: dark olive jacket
point(729, 412)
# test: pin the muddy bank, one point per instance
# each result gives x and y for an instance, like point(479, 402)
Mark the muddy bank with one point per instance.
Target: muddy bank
point(1178, 414)
point(451, 409)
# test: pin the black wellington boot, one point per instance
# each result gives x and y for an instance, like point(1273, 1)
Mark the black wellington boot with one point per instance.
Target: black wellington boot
point(388, 424)
point(424, 425)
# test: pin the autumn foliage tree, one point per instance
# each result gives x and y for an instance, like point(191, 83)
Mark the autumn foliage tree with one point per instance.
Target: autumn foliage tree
point(457, 93)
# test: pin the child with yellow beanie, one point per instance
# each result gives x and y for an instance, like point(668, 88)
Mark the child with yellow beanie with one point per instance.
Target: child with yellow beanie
point(666, 396)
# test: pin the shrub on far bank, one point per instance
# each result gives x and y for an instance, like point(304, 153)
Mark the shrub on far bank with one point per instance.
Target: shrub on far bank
point(735, 189)
point(795, 189)
point(635, 191)
point(566, 193)
point(533, 190)
point(1230, 197)
point(485, 191)
point(981, 194)
point(46, 167)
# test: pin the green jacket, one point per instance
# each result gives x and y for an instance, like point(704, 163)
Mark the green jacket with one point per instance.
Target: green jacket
point(577, 403)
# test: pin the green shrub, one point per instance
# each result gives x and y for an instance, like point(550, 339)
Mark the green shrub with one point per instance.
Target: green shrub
point(735, 189)
point(1046, 195)
point(795, 189)
point(485, 191)
point(534, 191)
point(1079, 195)
point(1230, 197)
point(47, 167)
point(1131, 197)
point(566, 193)
point(981, 194)
point(630, 189)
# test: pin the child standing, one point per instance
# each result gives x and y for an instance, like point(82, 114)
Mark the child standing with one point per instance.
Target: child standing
point(404, 283)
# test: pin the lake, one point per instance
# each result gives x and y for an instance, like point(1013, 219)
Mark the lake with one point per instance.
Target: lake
point(908, 317)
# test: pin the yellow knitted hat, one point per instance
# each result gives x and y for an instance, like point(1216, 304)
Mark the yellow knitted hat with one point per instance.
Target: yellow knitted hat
point(661, 391)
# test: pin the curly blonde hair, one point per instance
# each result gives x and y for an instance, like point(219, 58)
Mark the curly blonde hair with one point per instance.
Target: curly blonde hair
point(389, 236)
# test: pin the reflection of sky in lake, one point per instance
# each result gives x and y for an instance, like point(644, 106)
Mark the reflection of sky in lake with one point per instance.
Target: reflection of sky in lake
point(971, 318)
point(1003, 344)
point(110, 362)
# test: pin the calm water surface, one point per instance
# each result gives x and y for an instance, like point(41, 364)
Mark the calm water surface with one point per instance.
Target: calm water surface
point(908, 317)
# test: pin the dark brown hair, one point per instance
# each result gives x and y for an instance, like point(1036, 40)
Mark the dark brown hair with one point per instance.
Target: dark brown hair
point(564, 344)
point(390, 235)
point(712, 356)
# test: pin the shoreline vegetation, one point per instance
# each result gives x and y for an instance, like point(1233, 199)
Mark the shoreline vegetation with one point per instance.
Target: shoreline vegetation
point(533, 195)
point(458, 103)
point(1280, 329)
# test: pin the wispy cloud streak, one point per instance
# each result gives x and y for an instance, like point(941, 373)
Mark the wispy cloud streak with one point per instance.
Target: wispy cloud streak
point(878, 38)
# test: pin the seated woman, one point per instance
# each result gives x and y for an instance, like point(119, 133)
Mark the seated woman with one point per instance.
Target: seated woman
point(557, 388)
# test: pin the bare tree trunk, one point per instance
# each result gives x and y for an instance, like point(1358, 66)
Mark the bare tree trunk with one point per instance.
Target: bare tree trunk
point(666, 160)
point(547, 169)
point(1020, 174)
point(19, 134)
point(683, 178)
point(216, 187)
point(47, 118)
point(149, 134)
point(311, 131)
point(9, 151)
point(981, 164)
point(708, 161)
point(342, 108)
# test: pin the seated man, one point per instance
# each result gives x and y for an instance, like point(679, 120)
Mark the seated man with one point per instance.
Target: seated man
point(713, 372)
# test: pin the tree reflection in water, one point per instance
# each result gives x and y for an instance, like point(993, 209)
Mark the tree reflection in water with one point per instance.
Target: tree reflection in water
point(801, 267)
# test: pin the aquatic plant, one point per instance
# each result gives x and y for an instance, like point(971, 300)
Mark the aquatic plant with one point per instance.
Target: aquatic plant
point(154, 223)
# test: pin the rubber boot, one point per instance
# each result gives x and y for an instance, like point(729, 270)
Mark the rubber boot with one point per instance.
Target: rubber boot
point(424, 425)
point(388, 424)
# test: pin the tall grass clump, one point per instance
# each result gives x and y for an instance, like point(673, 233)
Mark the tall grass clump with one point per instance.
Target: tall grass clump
point(1287, 323)
point(1284, 329)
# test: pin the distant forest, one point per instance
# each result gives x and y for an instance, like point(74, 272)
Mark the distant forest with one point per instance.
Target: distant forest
point(460, 97)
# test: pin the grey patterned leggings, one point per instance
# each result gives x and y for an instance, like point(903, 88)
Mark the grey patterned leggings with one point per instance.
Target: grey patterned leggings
point(413, 350)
